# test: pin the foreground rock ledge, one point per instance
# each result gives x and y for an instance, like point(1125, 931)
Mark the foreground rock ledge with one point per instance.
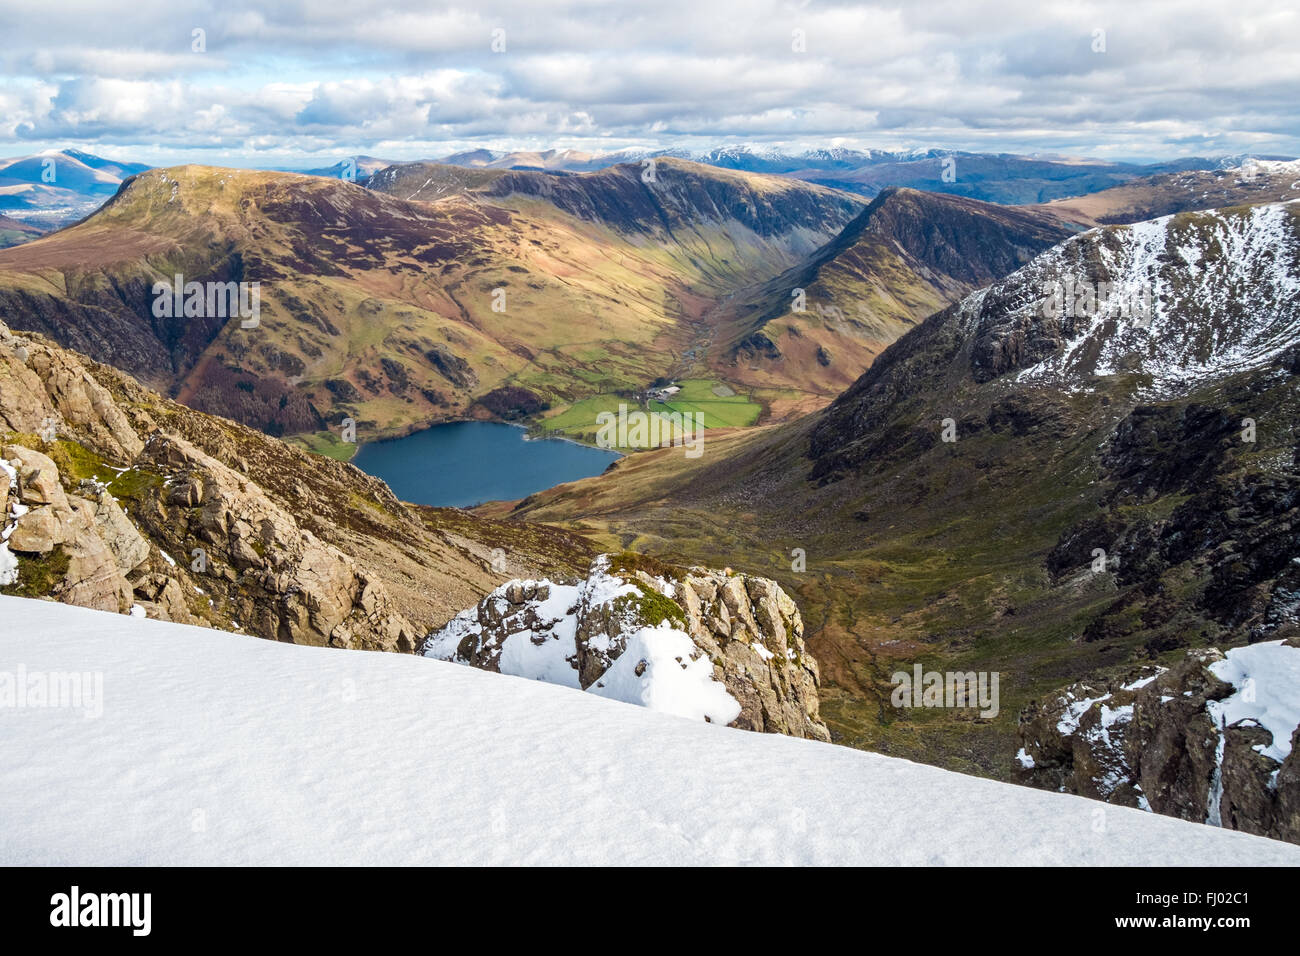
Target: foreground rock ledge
point(574, 632)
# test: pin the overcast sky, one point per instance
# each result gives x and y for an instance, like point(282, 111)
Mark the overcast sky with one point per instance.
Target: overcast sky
point(301, 83)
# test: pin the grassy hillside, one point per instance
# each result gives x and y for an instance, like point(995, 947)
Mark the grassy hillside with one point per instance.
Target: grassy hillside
point(392, 312)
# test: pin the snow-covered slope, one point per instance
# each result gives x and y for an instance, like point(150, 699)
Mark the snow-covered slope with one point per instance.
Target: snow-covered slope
point(1178, 301)
point(216, 748)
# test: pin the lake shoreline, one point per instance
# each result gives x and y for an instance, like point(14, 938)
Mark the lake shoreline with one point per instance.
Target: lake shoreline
point(486, 462)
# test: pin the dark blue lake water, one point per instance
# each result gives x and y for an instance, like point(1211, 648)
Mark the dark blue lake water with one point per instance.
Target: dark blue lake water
point(466, 463)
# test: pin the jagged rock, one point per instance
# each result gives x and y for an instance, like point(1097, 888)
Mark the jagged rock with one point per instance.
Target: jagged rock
point(753, 632)
point(747, 628)
point(1152, 739)
point(124, 540)
point(1247, 802)
point(93, 578)
point(1172, 740)
point(39, 382)
point(38, 477)
point(288, 584)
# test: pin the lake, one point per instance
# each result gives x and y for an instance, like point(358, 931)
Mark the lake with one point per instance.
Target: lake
point(466, 463)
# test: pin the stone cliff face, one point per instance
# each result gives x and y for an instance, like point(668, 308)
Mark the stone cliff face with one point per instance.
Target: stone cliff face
point(739, 631)
point(116, 499)
point(1211, 739)
point(270, 575)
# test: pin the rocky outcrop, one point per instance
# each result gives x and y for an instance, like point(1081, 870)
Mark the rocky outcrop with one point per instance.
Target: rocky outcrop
point(1211, 739)
point(745, 631)
point(277, 577)
point(61, 534)
point(113, 498)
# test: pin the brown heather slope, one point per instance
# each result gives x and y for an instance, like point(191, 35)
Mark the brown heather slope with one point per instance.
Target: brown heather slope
point(904, 257)
point(382, 309)
point(977, 555)
point(14, 232)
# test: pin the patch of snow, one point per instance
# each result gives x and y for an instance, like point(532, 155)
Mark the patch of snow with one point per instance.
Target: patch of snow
point(8, 565)
point(1267, 676)
point(1074, 711)
point(1143, 681)
point(669, 681)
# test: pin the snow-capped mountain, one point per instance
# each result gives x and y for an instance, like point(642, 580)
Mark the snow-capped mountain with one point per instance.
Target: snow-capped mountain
point(55, 187)
point(130, 741)
point(1178, 302)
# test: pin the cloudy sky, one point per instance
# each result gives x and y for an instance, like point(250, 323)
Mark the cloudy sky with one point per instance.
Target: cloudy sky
point(305, 83)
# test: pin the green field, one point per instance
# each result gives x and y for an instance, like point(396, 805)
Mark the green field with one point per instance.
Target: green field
point(715, 402)
point(325, 443)
point(701, 396)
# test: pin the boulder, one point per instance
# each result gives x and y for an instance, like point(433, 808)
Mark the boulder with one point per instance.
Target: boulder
point(129, 547)
point(747, 628)
point(93, 578)
point(38, 531)
point(38, 477)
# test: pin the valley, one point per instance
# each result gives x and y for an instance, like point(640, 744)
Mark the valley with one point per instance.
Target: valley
point(974, 554)
point(437, 293)
point(894, 429)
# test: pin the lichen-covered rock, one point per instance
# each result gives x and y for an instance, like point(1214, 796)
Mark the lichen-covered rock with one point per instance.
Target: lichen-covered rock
point(129, 547)
point(58, 530)
point(42, 385)
point(743, 634)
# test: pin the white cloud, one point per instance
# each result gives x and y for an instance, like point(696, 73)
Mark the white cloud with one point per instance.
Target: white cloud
point(1175, 77)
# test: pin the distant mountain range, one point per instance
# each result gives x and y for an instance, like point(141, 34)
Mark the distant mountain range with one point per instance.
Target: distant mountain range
point(993, 177)
point(57, 187)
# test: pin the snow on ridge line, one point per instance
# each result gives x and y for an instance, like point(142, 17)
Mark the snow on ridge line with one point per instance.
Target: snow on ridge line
point(1223, 287)
point(214, 748)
